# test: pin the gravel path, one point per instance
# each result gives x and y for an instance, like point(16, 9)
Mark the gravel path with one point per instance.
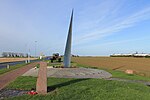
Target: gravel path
point(147, 83)
point(8, 77)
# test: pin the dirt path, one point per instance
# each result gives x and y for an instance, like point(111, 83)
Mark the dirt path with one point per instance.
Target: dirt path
point(6, 78)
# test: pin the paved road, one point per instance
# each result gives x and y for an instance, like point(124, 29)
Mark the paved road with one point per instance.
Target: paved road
point(4, 65)
point(6, 78)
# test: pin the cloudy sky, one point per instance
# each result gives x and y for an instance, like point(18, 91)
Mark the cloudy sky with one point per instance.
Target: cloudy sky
point(100, 27)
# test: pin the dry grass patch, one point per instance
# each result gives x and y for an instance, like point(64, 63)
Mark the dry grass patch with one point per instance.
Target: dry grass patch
point(140, 65)
point(14, 59)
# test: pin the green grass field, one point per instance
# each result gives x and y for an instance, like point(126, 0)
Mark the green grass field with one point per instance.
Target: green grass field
point(4, 70)
point(82, 89)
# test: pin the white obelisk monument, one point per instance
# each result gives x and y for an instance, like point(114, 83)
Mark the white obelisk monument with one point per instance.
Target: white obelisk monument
point(67, 55)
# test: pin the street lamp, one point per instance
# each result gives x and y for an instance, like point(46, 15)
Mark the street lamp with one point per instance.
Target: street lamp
point(29, 56)
point(28, 53)
point(35, 48)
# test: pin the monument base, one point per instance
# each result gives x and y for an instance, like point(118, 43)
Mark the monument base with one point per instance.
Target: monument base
point(64, 67)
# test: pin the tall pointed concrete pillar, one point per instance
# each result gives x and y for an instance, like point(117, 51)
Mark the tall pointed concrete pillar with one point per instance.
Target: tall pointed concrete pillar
point(67, 55)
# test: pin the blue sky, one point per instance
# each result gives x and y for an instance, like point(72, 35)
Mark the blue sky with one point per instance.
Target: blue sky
point(100, 27)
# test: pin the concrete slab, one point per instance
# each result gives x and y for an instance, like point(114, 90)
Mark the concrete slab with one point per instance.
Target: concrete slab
point(71, 73)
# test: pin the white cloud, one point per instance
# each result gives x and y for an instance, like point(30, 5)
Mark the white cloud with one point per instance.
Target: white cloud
point(109, 23)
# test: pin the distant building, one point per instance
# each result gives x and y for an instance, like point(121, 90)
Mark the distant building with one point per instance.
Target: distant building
point(141, 55)
point(12, 54)
point(131, 55)
point(0, 54)
point(121, 55)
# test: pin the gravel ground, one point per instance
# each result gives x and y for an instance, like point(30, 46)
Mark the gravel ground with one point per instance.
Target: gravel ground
point(71, 73)
point(4, 93)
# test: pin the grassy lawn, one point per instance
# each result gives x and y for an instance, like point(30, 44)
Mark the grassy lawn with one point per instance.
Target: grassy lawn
point(54, 64)
point(83, 89)
point(120, 74)
point(4, 70)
